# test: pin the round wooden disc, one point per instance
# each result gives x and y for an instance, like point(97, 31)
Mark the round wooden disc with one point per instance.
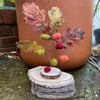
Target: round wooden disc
point(53, 74)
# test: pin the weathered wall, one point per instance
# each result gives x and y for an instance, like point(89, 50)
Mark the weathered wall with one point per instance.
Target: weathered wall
point(8, 28)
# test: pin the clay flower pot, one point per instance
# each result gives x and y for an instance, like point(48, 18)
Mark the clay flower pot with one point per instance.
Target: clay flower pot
point(78, 17)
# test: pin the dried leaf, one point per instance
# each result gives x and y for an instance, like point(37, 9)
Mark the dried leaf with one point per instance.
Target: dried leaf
point(28, 46)
point(2, 54)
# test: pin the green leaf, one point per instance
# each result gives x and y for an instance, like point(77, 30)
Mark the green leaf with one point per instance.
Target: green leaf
point(12, 1)
point(10, 56)
point(2, 3)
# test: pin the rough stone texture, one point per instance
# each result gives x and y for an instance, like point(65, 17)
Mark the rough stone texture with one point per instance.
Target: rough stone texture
point(15, 30)
point(9, 16)
point(7, 49)
point(8, 41)
point(15, 85)
point(6, 30)
point(1, 20)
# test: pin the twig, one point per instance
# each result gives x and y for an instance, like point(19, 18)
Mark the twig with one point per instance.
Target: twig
point(96, 8)
point(92, 62)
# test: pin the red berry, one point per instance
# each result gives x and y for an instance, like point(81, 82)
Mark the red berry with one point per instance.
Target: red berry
point(47, 69)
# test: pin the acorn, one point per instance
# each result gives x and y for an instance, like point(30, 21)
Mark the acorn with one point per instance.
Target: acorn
point(54, 62)
point(45, 36)
point(40, 51)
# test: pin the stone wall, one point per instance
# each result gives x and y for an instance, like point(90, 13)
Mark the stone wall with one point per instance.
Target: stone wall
point(8, 29)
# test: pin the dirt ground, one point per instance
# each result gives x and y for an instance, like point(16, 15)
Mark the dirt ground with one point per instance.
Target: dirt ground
point(15, 84)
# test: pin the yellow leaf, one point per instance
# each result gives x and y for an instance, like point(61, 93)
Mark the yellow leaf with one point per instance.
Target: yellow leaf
point(55, 14)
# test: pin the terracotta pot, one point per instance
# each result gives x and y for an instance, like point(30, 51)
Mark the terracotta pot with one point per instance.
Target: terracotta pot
point(76, 13)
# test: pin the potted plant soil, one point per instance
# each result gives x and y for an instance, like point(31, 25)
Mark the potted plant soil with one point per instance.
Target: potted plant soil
point(55, 32)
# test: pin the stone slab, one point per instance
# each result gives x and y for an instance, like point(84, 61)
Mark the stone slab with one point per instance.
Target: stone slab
point(15, 85)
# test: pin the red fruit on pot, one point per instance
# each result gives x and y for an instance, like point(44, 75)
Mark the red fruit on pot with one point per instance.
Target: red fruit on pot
point(56, 36)
point(59, 46)
point(47, 69)
point(64, 58)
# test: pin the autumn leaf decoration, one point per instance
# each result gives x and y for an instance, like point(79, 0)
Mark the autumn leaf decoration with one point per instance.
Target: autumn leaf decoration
point(28, 46)
point(55, 16)
point(75, 35)
point(34, 16)
point(49, 31)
